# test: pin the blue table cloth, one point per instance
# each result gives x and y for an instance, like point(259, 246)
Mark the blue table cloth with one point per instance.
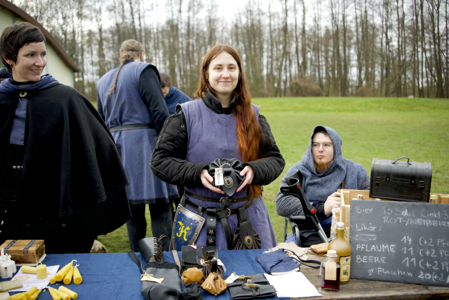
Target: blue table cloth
point(115, 276)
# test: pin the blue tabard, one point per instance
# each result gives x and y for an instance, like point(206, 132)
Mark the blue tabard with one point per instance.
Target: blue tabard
point(124, 107)
point(213, 136)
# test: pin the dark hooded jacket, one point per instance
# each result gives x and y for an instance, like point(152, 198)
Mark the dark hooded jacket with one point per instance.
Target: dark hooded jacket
point(71, 178)
point(173, 98)
point(318, 187)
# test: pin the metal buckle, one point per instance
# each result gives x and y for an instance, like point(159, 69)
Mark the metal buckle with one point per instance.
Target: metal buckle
point(248, 241)
point(229, 212)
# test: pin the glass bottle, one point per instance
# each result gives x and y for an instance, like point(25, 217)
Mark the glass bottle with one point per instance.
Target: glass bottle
point(330, 280)
point(343, 249)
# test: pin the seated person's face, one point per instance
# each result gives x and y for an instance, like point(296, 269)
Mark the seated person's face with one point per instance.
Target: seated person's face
point(322, 149)
point(165, 90)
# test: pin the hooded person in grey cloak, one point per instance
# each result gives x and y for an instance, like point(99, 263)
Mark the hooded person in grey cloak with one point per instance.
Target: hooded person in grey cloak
point(321, 183)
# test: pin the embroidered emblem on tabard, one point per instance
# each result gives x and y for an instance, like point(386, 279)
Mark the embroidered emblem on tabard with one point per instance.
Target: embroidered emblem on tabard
point(228, 182)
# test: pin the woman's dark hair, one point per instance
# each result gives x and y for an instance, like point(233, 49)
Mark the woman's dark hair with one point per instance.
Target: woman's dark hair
point(165, 80)
point(15, 37)
point(248, 128)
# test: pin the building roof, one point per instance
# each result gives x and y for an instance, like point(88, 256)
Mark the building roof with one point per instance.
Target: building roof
point(50, 39)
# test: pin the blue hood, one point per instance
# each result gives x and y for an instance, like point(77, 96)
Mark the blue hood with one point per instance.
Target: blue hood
point(46, 80)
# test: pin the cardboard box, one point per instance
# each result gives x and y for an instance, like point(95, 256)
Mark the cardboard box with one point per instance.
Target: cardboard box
point(24, 251)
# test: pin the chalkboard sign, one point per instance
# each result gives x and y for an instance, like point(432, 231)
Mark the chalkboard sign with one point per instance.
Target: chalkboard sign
point(400, 241)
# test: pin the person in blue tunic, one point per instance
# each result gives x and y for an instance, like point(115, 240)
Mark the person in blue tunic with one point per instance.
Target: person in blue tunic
point(131, 102)
point(324, 170)
point(222, 123)
point(172, 95)
point(61, 177)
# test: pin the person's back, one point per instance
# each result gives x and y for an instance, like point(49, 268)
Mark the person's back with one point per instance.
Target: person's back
point(130, 101)
point(125, 106)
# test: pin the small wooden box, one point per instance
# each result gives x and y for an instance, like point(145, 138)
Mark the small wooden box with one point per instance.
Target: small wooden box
point(440, 198)
point(24, 251)
point(345, 203)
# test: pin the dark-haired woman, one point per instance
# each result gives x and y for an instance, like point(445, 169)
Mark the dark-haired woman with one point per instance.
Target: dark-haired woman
point(221, 124)
point(61, 178)
point(131, 102)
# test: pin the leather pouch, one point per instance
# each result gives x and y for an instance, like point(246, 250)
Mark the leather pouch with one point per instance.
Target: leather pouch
point(258, 278)
point(214, 284)
point(192, 292)
point(245, 236)
point(211, 265)
point(252, 291)
point(151, 249)
point(169, 289)
point(191, 257)
point(231, 174)
point(192, 275)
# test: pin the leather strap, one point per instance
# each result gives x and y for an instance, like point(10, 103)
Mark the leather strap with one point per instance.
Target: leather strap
point(176, 257)
point(220, 214)
point(241, 215)
point(227, 230)
point(131, 127)
point(210, 199)
point(137, 261)
point(213, 265)
point(211, 226)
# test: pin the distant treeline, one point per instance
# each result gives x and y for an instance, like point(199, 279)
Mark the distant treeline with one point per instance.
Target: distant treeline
point(288, 47)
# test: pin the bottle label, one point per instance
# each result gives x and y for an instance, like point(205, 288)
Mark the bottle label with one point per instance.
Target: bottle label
point(330, 271)
point(345, 268)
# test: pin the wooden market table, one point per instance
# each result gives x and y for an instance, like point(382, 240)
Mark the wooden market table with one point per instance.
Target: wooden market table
point(115, 276)
point(370, 289)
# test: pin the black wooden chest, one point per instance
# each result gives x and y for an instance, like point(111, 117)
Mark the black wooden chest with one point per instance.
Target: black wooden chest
point(400, 180)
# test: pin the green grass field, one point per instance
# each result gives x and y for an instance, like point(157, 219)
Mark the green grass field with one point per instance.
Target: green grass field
point(384, 128)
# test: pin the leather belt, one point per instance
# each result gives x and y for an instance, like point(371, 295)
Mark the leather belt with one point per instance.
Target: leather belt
point(210, 199)
point(131, 127)
point(222, 213)
point(211, 226)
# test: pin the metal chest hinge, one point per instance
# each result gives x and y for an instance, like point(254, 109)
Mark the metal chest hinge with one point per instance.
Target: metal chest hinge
point(421, 185)
point(377, 181)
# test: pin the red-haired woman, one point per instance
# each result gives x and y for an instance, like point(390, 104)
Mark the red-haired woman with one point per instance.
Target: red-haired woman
point(221, 124)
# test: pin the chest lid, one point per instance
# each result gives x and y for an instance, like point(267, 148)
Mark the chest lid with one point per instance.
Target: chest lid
point(24, 251)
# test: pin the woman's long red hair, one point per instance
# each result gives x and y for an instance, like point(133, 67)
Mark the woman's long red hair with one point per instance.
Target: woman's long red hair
point(248, 127)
